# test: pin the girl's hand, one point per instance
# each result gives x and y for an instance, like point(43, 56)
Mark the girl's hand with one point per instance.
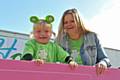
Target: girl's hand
point(73, 64)
point(100, 68)
point(39, 61)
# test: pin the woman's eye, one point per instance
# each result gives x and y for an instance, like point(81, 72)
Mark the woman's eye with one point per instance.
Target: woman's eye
point(65, 22)
point(72, 21)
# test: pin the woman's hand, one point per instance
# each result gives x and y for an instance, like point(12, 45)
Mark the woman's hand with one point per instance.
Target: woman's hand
point(73, 64)
point(100, 68)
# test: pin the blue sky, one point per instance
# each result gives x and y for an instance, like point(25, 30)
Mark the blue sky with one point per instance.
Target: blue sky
point(15, 14)
point(102, 15)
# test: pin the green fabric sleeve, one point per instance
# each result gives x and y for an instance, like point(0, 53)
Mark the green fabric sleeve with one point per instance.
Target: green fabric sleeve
point(61, 54)
point(28, 49)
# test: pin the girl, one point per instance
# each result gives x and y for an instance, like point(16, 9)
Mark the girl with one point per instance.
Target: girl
point(40, 48)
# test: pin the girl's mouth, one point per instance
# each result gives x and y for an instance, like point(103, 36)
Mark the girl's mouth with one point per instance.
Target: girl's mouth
point(42, 37)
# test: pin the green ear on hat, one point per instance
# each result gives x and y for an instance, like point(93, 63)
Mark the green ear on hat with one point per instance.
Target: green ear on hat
point(34, 19)
point(49, 19)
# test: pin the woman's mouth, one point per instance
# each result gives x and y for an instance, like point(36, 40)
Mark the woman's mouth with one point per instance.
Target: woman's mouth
point(70, 27)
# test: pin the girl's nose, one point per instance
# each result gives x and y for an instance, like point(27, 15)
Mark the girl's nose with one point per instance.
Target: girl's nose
point(42, 33)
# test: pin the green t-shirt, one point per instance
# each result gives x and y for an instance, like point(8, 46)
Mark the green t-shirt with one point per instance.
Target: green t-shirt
point(75, 46)
point(49, 52)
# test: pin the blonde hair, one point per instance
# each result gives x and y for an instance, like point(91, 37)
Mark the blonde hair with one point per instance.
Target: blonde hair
point(41, 22)
point(78, 21)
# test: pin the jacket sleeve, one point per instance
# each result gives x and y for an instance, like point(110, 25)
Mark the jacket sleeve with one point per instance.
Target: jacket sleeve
point(101, 55)
point(28, 51)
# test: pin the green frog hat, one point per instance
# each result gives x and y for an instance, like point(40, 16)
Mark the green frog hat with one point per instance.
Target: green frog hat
point(48, 19)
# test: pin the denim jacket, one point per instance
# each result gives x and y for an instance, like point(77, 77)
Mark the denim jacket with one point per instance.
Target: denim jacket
point(91, 51)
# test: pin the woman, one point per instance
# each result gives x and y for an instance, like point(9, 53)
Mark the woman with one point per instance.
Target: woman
point(82, 44)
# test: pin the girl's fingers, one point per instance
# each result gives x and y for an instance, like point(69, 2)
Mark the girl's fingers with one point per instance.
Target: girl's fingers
point(39, 61)
point(73, 64)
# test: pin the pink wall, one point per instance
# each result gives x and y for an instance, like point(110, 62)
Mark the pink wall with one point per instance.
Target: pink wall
point(27, 70)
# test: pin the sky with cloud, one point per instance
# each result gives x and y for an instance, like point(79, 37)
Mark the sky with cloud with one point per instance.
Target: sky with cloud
point(107, 24)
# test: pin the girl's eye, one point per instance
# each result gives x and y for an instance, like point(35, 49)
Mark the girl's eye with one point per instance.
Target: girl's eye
point(46, 31)
point(38, 31)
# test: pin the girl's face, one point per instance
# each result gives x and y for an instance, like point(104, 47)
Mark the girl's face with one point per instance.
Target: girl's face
point(69, 24)
point(42, 33)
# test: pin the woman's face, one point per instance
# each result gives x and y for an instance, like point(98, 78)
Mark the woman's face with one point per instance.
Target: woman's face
point(69, 24)
point(42, 33)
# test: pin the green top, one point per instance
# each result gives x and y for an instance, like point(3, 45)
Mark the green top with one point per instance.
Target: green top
point(49, 52)
point(75, 46)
